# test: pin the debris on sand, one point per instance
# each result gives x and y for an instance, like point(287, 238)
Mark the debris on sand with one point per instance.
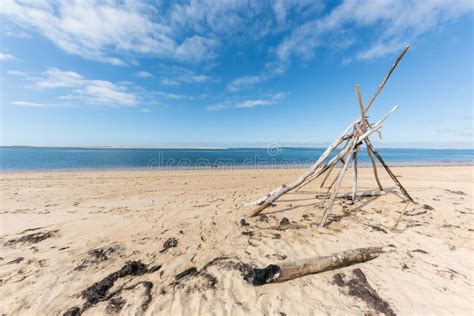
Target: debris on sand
point(185, 273)
point(359, 287)
point(17, 260)
point(243, 222)
point(416, 211)
point(73, 311)
point(32, 238)
point(284, 221)
point(99, 290)
point(115, 304)
point(456, 192)
point(98, 255)
point(169, 243)
point(262, 276)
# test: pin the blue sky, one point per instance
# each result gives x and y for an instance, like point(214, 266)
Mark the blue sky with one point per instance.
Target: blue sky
point(233, 73)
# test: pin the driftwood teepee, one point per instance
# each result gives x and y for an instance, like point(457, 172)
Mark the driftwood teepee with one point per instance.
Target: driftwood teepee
point(350, 143)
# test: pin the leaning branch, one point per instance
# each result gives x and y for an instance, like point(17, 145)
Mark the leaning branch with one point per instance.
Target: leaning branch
point(379, 89)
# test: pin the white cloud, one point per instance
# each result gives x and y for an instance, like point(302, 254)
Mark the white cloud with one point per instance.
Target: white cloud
point(145, 110)
point(245, 81)
point(17, 73)
point(171, 95)
point(27, 103)
point(247, 103)
point(90, 91)
point(397, 22)
point(175, 76)
point(196, 48)
point(38, 105)
point(101, 30)
point(144, 74)
point(56, 78)
point(5, 56)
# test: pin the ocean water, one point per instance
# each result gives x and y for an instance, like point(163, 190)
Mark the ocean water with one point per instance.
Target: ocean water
point(47, 158)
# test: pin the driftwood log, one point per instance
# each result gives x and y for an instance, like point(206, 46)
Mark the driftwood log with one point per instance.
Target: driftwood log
point(292, 270)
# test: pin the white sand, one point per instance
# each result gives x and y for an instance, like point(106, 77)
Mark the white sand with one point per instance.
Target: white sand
point(428, 269)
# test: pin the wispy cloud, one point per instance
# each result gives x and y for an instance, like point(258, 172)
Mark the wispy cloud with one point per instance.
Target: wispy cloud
point(396, 22)
point(247, 103)
point(38, 105)
point(143, 74)
point(91, 91)
point(99, 30)
point(245, 81)
point(5, 56)
point(174, 76)
point(17, 73)
point(400, 22)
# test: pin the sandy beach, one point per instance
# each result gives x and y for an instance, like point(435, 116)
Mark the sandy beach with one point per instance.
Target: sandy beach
point(61, 232)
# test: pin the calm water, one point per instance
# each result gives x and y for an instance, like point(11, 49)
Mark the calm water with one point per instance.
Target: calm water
point(26, 158)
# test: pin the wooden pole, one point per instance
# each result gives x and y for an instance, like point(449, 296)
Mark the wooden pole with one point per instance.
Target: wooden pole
point(348, 195)
point(374, 167)
point(340, 177)
point(354, 175)
point(364, 123)
point(379, 89)
point(400, 217)
point(390, 173)
point(328, 173)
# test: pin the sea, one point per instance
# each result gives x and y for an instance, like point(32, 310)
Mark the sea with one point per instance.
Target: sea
point(71, 158)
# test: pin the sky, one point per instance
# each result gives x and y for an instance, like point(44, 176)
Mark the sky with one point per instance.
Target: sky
point(233, 73)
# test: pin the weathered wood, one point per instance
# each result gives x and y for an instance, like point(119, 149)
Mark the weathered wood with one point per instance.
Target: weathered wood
point(365, 123)
point(317, 168)
point(400, 217)
point(374, 168)
point(348, 195)
point(328, 172)
point(292, 270)
point(363, 118)
point(384, 81)
point(296, 269)
point(326, 177)
point(340, 177)
point(354, 175)
point(275, 194)
point(390, 173)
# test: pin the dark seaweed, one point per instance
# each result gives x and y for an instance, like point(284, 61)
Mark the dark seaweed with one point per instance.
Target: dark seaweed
point(73, 311)
point(262, 276)
point(284, 221)
point(243, 222)
point(360, 288)
point(115, 304)
point(99, 290)
point(169, 243)
point(185, 273)
point(17, 260)
point(32, 238)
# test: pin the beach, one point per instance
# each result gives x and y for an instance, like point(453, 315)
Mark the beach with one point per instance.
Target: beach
point(63, 231)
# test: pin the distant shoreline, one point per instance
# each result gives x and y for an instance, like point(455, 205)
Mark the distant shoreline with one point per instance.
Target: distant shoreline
point(234, 168)
point(224, 148)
